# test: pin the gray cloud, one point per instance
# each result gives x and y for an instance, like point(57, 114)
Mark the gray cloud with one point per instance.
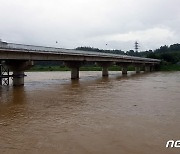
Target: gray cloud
point(72, 23)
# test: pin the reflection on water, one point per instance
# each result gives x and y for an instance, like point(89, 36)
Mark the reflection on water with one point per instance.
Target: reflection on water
point(136, 113)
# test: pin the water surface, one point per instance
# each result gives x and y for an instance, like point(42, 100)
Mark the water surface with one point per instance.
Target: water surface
point(134, 114)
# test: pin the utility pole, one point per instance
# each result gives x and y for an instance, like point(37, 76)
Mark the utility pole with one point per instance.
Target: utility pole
point(136, 46)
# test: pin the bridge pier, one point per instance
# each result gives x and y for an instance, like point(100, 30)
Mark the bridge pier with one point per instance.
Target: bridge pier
point(74, 66)
point(18, 67)
point(105, 71)
point(152, 68)
point(18, 78)
point(147, 68)
point(124, 67)
point(75, 73)
point(104, 66)
point(138, 68)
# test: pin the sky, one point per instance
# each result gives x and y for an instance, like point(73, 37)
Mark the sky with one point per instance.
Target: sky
point(104, 24)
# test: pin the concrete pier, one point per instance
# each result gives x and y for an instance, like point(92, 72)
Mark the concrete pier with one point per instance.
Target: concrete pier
point(105, 66)
point(74, 66)
point(18, 78)
point(105, 71)
point(18, 67)
point(152, 68)
point(75, 73)
point(124, 69)
point(137, 68)
point(147, 68)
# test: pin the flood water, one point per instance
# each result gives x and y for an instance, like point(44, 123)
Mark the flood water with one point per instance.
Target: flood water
point(134, 114)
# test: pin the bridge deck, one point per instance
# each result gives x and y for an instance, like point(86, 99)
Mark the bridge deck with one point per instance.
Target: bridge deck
point(12, 47)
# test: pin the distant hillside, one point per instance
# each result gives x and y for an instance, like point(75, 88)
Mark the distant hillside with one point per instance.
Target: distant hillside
point(170, 54)
point(101, 50)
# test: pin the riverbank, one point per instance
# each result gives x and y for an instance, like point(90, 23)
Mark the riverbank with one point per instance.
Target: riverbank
point(84, 68)
point(169, 67)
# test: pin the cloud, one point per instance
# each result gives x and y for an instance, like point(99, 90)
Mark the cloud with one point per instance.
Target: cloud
point(90, 22)
point(148, 36)
point(154, 34)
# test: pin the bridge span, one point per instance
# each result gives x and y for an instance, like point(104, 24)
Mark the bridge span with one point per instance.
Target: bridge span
point(20, 57)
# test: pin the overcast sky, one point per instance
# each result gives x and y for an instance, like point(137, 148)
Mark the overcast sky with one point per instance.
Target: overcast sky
point(106, 24)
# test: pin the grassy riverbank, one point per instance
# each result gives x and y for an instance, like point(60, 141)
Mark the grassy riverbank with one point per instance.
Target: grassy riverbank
point(169, 67)
point(84, 68)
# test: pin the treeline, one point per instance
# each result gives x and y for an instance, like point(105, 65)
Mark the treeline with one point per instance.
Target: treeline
point(169, 54)
point(166, 53)
point(101, 50)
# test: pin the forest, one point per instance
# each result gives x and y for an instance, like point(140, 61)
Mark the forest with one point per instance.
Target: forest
point(167, 54)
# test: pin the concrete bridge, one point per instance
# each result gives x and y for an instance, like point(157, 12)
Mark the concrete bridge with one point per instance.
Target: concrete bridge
point(20, 57)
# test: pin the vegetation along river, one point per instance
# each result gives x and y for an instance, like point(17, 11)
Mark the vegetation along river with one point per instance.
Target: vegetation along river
point(134, 114)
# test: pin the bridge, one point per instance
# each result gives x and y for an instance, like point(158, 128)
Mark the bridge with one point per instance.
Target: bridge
point(20, 57)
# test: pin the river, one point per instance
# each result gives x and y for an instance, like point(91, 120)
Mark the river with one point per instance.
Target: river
point(133, 114)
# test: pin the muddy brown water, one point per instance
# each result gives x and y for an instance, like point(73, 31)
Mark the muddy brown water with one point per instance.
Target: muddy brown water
point(134, 114)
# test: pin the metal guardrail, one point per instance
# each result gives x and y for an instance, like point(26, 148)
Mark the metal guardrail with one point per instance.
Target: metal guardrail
point(4, 75)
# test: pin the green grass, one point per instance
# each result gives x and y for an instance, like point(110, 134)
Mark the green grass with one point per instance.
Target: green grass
point(48, 68)
point(64, 68)
point(169, 67)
